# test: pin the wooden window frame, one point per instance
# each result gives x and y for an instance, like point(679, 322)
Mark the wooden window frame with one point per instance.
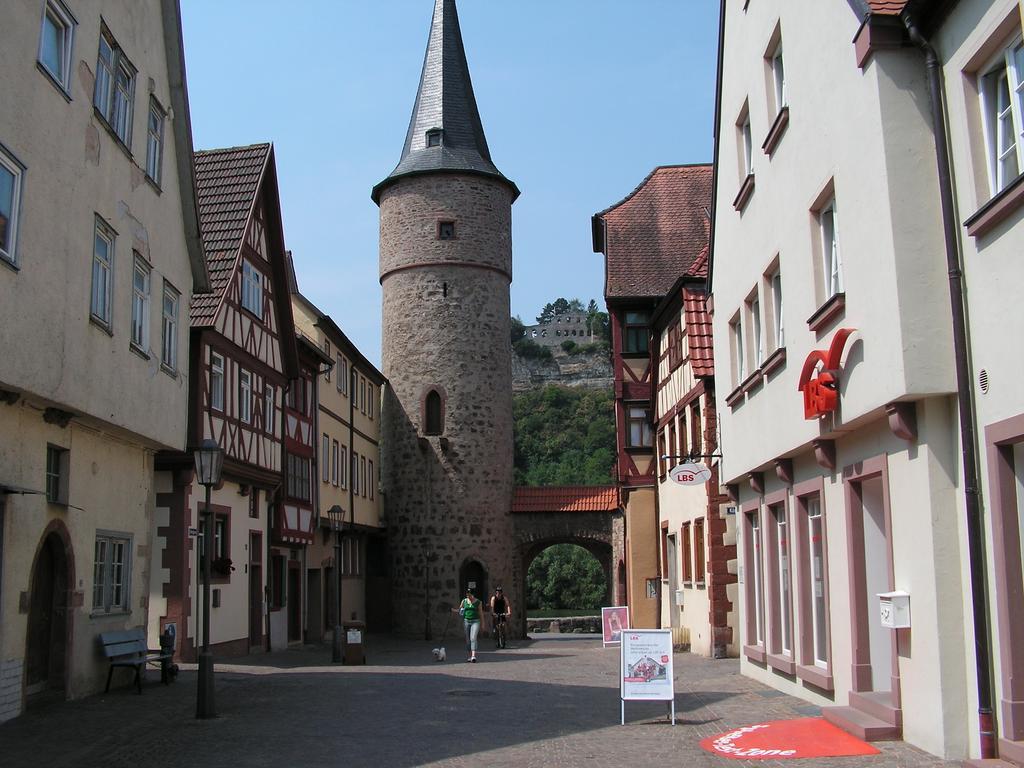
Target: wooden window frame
point(101, 299)
point(169, 329)
point(10, 164)
point(809, 668)
point(643, 421)
point(755, 629)
point(114, 104)
point(635, 330)
point(217, 390)
point(779, 619)
point(103, 602)
point(58, 470)
point(155, 124)
point(684, 544)
point(140, 303)
point(699, 553)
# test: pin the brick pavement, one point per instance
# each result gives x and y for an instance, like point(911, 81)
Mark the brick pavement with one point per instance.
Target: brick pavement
point(548, 702)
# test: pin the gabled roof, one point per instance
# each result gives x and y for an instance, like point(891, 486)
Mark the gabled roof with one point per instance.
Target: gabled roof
point(227, 181)
point(566, 498)
point(444, 101)
point(698, 332)
point(656, 234)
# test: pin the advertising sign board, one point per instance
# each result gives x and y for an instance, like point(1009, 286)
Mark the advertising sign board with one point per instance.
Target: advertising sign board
point(645, 668)
point(690, 473)
point(613, 621)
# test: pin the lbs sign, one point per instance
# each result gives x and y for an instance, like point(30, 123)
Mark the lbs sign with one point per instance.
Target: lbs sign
point(690, 473)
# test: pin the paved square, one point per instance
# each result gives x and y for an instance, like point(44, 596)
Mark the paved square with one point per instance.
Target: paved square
point(552, 701)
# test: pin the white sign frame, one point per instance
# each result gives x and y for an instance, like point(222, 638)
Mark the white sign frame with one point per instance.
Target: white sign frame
point(646, 670)
point(695, 472)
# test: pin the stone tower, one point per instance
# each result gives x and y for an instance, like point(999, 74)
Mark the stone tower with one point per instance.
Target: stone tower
point(445, 270)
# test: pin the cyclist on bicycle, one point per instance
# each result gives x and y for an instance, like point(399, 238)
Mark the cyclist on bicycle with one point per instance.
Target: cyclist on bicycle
point(501, 609)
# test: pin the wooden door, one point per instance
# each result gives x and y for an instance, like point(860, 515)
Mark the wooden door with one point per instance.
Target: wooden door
point(255, 590)
point(294, 602)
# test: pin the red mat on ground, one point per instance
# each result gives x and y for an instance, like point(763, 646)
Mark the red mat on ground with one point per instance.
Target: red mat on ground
point(787, 739)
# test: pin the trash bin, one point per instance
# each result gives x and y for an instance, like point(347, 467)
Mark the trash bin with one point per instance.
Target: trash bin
point(355, 652)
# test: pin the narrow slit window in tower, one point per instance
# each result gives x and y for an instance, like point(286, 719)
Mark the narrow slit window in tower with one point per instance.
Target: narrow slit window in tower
point(432, 414)
point(446, 230)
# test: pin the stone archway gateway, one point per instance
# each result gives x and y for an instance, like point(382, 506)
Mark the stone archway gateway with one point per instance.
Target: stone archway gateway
point(47, 642)
point(588, 516)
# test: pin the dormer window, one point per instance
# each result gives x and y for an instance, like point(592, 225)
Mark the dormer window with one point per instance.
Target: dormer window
point(434, 137)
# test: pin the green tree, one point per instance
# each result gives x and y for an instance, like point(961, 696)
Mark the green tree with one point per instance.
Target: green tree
point(565, 576)
point(564, 436)
point(518, 329)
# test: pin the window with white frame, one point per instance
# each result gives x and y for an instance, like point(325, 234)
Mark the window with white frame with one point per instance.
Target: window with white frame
point(756, 335)
point(747, 142)
point(831, 261)
point(335, 462)
point(342, 374)
point(342, 465)
point(216, 381)
point(140, 304)
point(102, 270)
point(269, 411)
point(638, 433)
point(10, 201)
point(327, 368)
point(325, 452)
point(369, 399)
point(785, 597)
point(363, 480)
point(371, 479)
point(244, 396)
point(819, 616)
point(169, 328)
point(154, 141)
point(114, 92)
point(780, 328)
point(739, 359)
point(757, 556)
point(778, 78)
point(354, 473)
point(111, 575)
point(1002, 98)
point(252, 288)
point(56, 42)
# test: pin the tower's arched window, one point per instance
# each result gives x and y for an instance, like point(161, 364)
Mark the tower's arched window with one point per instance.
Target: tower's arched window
point(433, 418)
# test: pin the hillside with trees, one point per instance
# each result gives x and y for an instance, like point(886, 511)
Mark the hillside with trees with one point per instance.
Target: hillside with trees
point(564, 435)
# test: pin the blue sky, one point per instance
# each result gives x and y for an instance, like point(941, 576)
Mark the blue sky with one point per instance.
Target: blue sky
point(580, 100)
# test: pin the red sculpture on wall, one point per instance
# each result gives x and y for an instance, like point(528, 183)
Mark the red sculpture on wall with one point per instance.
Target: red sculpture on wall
point(821, 393)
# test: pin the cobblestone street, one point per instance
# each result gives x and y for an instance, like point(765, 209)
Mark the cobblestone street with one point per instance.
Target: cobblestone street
point(549, 701)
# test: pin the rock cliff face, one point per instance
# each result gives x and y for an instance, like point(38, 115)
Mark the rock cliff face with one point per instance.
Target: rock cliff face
point(592, 370)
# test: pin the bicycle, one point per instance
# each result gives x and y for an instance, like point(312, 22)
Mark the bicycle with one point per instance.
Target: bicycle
point(500, 630)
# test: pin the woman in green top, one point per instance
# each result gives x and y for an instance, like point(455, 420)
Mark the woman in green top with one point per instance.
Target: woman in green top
point(469, 609)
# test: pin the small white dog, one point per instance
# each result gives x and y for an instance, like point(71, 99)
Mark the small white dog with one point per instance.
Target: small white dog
point(439, 654)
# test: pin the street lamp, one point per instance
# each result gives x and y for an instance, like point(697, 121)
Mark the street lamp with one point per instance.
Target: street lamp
point(337, 516)
point(209, 460)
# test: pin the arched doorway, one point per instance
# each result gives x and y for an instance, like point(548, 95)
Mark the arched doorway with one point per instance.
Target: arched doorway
point(569, 575)
point(473, 575)
point(46, 645)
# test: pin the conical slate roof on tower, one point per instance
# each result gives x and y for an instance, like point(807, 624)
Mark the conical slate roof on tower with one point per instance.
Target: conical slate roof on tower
point(445, 133)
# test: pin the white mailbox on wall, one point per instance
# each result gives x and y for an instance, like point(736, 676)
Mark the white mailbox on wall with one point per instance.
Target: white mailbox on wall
point(894, 609)
point(679, 597)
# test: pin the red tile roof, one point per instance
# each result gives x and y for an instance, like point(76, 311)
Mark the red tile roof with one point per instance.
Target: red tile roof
point(566, 498)
point(658, 232)
point(887, 7)
point(227, 181)
point(698, 332)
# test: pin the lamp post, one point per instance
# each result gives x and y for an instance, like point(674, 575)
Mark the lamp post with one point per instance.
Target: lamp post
point(337, 516)
point(209, 460)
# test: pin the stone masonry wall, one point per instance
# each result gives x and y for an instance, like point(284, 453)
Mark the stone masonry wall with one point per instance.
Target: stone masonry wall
point(446, 326)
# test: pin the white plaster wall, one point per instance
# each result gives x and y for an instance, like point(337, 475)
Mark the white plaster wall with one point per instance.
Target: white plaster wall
point(992, 265)
point(678, 504)
point(927, 553)
point(868, 131)
point(74, 172)
point(230, 620)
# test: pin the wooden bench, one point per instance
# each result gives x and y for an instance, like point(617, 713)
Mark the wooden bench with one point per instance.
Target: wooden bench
point(127, 648)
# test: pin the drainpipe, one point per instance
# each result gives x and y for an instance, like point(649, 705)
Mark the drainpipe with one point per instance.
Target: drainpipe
point(965, 399)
